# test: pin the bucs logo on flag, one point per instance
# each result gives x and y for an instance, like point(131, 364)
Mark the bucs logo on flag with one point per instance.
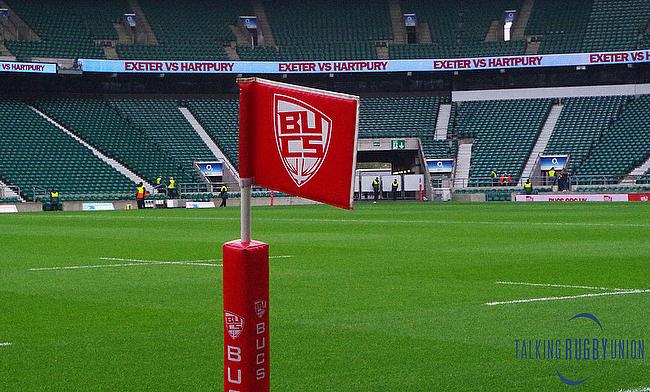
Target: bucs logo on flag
point(302, 135)
point(298, 140)
point(234, 324)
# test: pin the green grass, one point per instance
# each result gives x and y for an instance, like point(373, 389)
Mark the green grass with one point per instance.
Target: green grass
point(388, 297)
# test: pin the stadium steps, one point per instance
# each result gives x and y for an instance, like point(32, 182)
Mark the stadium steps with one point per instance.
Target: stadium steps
point(143, 28)
point(242, 36)
point(111, 162)
point(442, 122)
point(495, 32)
point(110, 53)
point(424, 33)
point(232, 53)
point(124, 35)
point(17, 27)
point(7, 193)
point(4, 52)
point(542, 139)
point(210, 143)
point(382, 53)
point(638, 171)
point(519, 27)
point(463, 163)
point(268, 39)
point(397, 22)
point(532, 47)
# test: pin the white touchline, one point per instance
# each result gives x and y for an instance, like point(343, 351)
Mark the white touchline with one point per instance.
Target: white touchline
point(640, 389)
point(5, 344)
point(563, 286)
point(520, 301)
point(74, 267)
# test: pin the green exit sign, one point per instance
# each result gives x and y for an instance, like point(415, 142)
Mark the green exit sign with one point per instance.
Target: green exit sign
point(399, 144)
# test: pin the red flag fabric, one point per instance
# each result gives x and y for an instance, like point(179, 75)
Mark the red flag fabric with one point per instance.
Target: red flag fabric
point(298, 140)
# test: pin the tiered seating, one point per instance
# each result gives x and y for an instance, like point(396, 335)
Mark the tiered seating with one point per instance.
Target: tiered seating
point(333, 30)
point(220, 118)
point(615, 25)
point(404, 116)
point(458, 29)
point(580, 124)
point(189, 30)
point(35, 153)
point(504, 132)
point(560, 24)
point(625, 145)
point(67, 30)
point(438, 149)
point(163, 123)
point(103, 127)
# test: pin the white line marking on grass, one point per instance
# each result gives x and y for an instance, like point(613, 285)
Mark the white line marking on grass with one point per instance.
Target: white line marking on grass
point(5, 344)
point(563, 286)
point(521, 301)
point(74, 267)
point(640, 389)
point(140, 262)
point(180, 262)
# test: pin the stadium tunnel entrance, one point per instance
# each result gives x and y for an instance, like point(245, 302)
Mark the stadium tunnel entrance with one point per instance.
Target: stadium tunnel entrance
point(389, 159)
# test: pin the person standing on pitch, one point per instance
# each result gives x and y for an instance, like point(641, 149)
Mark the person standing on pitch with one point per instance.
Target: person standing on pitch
point(375, 189)
point(394, 186)
point(528, 187)
point(223, 193)
point(171, 189)
point(140, 195)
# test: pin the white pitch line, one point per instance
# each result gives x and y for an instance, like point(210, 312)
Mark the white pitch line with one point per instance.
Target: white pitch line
point(5, 344)
point(180, 262)
point(641, 389)
point(521, 301)
point(563, 286)
point(74, 267)
point(140, 262)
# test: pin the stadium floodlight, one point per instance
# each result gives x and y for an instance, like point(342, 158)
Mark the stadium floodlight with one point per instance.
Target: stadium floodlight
point(299, 141)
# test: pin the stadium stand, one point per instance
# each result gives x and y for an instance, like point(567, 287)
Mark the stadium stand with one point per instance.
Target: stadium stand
point(220, 119)
point(163, 123)
point(559, 25)
point(404, 116)
point(197, 30)
point(67, 30)
point(458, 29)
point(616, 25)
point(104, 128)
point(504, 134)
point(35, 153)
point(580, 125)
point(625, 145)
point(327, 30)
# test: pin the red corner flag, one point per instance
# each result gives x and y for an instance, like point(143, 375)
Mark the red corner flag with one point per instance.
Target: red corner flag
point(298, 140)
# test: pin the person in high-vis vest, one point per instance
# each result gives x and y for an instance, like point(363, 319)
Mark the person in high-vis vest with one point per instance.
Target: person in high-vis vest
point(375, 189)
point(161, 187)
point(55, 200)
point(394, 185)
point(223, 193)
point(495, 177)
point(551, 176)
point(140, 195)
point(171, 189)
point(528, 187)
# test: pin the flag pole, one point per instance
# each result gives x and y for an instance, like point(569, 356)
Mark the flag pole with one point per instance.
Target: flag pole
point(245, 185)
